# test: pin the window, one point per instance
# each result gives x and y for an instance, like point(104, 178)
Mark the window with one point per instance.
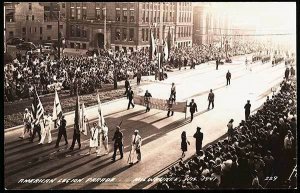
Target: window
point(79, 13)
point(49, 27)
point(84, 33)
point(157, 33)
point(124, 48)
point(41, 30)
point(154, 16)
point(49, 38)
point(131, 34)
point(147, 16)
point(118, 34)
point(147, 34)
point(103, 14)
point(11, 34)
point(143, 16)
point(72, 45)
point(63, 5)
point(84, 13)
point(72, 13)
point(27, 17)
point(32, 17)
point(98, 13)
point(41, 38)
point(131, 15)
point(143, 34)
point(77, 31)
point(154, 33)
point(124, 34)
point(158, 16)
point(30, 6)
point(83, 46)
point(61, 27)
point(35, 29)
point(124, 15)
point(118, 15)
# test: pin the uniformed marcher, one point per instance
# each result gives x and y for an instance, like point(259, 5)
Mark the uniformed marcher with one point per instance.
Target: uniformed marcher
point(136, 144)
point(130, 98)
point(27, 124)
point(118, 138)
point(193, 109)
point(247, 110)
point(147, 98)
point(171, 102)
point(93, 138)
point(46, 131)
point(228, 77)
point(36, 129)
point(62, 131)
point(76, 137)
point(104, 138)
point(173, 91)
point(199, 138)
point(211, 99)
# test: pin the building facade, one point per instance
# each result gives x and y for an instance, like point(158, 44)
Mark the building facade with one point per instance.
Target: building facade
point(126, 25)
point(35, 22)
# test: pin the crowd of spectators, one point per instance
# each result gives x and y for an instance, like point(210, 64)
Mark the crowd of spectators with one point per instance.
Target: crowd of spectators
point(259, 154)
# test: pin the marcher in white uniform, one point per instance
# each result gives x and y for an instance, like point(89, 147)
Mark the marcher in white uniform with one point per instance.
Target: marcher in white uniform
point(136, 144)
point(104, 138)
point(93, 138)
point(46, 129)
point(27, 119)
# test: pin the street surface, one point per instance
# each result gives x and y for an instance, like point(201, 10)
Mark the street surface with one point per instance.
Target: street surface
point(161, 135)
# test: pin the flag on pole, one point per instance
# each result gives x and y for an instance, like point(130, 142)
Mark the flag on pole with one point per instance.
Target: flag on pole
point(152, 46)
point(77, 115)
point(57, 110)
point(83, 122)
point(37, 107)
point(101, 117)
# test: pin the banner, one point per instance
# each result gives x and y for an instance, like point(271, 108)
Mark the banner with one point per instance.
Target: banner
point(161, 104)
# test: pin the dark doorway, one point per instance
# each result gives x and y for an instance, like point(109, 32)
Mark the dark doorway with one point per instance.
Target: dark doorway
point(100, 40)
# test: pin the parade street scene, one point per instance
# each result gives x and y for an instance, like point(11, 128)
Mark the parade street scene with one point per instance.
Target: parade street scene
point(150, 95)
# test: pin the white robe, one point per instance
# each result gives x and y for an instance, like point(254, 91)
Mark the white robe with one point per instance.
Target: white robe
point(94, 137)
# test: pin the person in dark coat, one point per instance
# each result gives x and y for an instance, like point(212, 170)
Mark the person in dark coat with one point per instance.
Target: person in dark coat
point(130, 98)
point(147, 98)
point(118, 138)
point(247, 110)
point(127, 85)
point(138, 77)
point(217, 63)
point(293, 72)
point(199, 138)
point(211, 99)
point(193, 108)
point(184, 143)
point(36, 129)
point(171, 102)
point(287, 73)
point(228, 77)
point(62, 131)
point(76, 137)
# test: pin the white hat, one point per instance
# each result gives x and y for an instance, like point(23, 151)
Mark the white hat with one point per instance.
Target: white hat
point(136, 131)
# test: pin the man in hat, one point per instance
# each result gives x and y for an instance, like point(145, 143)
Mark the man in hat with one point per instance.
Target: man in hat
point(211, 99)
point(193, 109)
point(136, 144)
point(130, 98)
point(228, 77)
point(247, 110)
point(76, 137)
point(62, 131)
point(118, 138)
point(47, 128)
point(199, 138)
point(27, 124)
point(147, 98)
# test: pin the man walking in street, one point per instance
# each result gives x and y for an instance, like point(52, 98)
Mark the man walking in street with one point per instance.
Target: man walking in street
point(171, 102)
point(199, 138)
point(247, 110)
point(94, 139)
point(136, 144)
point(211, 99)
point(138, 77)
point(228, 77)
point(127, 85)
point(173, 91)
point(147, 98)
point(118, 138)
point(27, 124)
point(62, 131)
point(130, 98)
point(47, 129)
point(193, 109)
point(76, 137)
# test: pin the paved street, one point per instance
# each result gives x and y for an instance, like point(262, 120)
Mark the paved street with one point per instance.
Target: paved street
point(161, 135)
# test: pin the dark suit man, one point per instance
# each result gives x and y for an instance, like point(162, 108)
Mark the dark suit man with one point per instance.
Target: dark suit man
point(217, 63)
point(36, 129)
point(76, 137)
point(62, 131)
point(228, 77)
point(193, 109)
point(287, 73)
point(127, 85)
point(211, 99)
point(247, 109)
point(130, 98)
point(147, 98)
point(138, 77)
point(171, 102)
point(118, 138)
point(199, 138)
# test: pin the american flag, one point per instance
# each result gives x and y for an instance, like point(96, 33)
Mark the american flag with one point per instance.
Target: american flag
point(57, 110)
point(37, 108)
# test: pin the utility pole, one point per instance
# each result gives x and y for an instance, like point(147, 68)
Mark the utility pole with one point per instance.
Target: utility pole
point(4, 31)
point(58, 33)
point(161, 77)
point(104, 27)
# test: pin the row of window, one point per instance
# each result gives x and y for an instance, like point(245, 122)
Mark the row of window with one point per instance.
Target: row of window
point(27, 18)
point(124, 34)
point(78, 31)
point(79, 13)
point(125, 16)
point(184, 31)
point(146, 34)
point(185, 16)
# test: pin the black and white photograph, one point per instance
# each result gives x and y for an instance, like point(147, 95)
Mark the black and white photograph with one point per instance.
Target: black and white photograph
point(149, 95)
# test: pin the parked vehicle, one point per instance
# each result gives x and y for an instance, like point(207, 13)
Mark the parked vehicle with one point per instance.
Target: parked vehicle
point(26, 46)
point(14, 41)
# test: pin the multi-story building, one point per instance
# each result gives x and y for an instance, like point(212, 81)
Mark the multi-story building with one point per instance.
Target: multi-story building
point(127, 24)
point(35, 22)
